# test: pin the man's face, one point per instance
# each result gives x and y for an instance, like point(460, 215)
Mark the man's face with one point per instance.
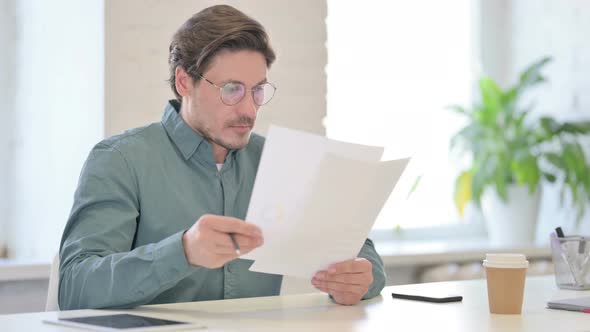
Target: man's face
point(228, 127)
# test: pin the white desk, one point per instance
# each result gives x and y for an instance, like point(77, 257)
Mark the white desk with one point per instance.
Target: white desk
point(317, 313)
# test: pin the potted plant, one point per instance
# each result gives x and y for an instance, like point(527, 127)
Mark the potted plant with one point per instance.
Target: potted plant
point(513, 152)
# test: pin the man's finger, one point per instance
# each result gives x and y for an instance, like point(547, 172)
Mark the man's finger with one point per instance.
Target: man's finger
point(357, 265)
point(340, 287)
point(361, 278)
point(345, 298)
point(224, 240)
point(249, 241)
point(230, 225)
point(224, 248)
point(215, 239)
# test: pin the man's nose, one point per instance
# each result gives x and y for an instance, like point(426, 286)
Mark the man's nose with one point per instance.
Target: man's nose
point(247, 106)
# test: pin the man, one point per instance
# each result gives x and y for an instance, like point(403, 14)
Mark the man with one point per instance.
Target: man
point(156, 207)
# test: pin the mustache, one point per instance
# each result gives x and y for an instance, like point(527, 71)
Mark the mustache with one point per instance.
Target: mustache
point(241, 121)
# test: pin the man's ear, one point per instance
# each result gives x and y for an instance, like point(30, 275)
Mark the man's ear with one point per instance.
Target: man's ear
point(183, 82)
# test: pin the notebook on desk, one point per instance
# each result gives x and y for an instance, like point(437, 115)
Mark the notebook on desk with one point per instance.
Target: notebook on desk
point(581, 304)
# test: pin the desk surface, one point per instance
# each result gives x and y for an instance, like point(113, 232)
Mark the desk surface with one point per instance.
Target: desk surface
point(316, 312)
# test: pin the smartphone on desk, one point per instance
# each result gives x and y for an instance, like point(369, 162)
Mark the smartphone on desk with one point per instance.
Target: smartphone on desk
point(428, 298)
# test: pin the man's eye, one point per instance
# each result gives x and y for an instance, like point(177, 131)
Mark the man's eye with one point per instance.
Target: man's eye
point(232, 87)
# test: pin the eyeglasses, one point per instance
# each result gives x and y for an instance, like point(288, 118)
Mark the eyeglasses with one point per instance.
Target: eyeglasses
point(232, 93)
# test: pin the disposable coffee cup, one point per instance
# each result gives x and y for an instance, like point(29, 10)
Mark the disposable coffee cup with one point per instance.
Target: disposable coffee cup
point(505, 275)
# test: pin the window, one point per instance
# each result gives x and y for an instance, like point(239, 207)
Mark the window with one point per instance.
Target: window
point(53, 118)
point(392, 69)
point(7, 76)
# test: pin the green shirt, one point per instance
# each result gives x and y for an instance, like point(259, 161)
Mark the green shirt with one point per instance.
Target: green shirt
point(137, 194)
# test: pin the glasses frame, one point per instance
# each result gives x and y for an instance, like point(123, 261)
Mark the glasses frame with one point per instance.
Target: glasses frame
point(245, 88)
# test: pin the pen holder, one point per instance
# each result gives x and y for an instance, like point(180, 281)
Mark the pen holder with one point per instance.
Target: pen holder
point(571, 260)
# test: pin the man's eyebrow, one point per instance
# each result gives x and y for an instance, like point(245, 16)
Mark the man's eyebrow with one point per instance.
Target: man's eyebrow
point(238, 81)
point(261, 82)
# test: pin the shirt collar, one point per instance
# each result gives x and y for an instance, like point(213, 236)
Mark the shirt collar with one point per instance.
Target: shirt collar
point(185, 138)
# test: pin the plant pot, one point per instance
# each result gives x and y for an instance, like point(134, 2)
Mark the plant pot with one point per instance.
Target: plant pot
point(512, 223)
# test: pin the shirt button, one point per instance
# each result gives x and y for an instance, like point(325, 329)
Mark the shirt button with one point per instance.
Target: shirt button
point(229, 268)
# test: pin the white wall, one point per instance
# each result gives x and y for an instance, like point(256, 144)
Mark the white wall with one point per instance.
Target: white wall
point(559, 29)
point(7, 61)
point(59, 116)
point(138, 33)
point(90, 68)
point(523, 31)
point(494, 38)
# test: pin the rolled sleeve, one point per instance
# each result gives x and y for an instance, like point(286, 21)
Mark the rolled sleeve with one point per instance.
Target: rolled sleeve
point(368, 252)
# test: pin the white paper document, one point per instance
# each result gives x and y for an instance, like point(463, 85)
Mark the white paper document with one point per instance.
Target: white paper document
point(315, 200)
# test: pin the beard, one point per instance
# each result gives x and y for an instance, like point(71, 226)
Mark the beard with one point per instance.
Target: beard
point(235, 144)
point(237, 141)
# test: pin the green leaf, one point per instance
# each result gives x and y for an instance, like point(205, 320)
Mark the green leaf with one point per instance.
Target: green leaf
point(572, 185)
point(547, 131)
point(555, 159)
point(509, 98)
point(491, 96)
point(484, 166)
point(527, 171)
point(467, 135)
point(550, 177)
point(581, 128)
point(532, 75)
point(576, 175)
point(485, 117)
point(574, 165)
point(414, 186)
point(518, 123)
point(500, 182)
point(534, 178)
point(463, 190)
point(459, 109)
point(549, 124)
point(582, 168)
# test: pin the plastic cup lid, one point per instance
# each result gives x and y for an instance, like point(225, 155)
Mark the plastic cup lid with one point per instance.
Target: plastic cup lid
point(510, 261)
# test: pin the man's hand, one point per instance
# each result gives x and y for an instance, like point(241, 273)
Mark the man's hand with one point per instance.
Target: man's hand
point(347, 281)
point(208, 243)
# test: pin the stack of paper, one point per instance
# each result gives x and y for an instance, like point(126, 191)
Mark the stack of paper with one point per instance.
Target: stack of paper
point(315, 200)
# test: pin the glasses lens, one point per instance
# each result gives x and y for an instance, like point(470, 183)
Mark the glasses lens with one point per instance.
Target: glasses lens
point(263, 93)
point(232, 93)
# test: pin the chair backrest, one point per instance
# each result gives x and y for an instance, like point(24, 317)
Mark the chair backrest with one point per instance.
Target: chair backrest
point(53, 289)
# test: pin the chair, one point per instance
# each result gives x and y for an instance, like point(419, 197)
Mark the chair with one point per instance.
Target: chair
point(53, 289)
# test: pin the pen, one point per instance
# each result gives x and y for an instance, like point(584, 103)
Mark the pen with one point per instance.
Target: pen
point(236, 246)
point(582, 245)
point(559, 232)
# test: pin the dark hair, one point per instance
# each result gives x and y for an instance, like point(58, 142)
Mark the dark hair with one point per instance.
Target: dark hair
point(210, 31)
